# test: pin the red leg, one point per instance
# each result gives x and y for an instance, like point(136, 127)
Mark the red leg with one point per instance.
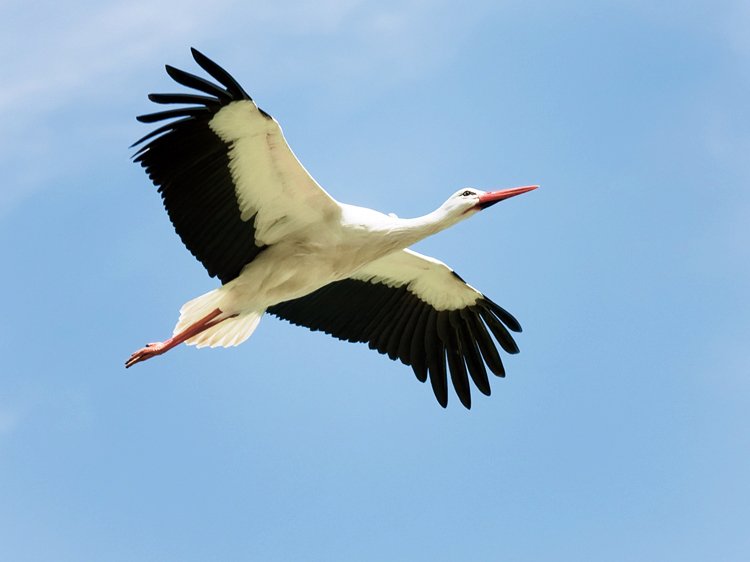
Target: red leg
point(154, 349)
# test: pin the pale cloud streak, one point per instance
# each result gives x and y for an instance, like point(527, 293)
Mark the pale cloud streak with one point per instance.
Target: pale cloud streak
point(66, 60)
point(736, 24)
point(97, 47)
point(80, 57)
point(8, 421)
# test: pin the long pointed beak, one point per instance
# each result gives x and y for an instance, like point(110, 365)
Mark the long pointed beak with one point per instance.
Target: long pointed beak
point(491, 197)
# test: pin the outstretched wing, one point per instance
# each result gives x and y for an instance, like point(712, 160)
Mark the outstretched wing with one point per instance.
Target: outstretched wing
point(416, 309)
point(229, 181)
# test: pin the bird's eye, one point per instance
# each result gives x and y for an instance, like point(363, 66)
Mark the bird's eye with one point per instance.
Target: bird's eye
point(467, 193)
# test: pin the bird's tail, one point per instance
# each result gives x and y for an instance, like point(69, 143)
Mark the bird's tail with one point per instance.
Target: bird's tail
point(229, 332)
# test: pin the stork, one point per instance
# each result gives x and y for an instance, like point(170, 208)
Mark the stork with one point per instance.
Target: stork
point(249, 211)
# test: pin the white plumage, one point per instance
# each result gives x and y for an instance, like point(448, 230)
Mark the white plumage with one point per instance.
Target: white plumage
point(249, 211)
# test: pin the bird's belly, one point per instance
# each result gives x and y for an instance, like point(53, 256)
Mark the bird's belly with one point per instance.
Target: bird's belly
point(282, 274)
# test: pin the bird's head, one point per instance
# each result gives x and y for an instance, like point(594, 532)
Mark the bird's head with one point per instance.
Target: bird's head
point(465, 202)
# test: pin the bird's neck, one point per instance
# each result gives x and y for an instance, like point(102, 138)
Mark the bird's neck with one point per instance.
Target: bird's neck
point(411, 231)
point(376, 234)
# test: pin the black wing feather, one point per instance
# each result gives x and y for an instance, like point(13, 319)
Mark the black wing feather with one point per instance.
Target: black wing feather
point(197, 83)
point(488, 349)
point(208, 101)
point(456, 364)
point(435, 353)
point(417, 349)
point(392, 345)
point(189, 164)
point(171, 113)
point(472, 354)
point(410, 327)
point(395, 321)
point(500, 332)
point(504, 316)
point(218, 73)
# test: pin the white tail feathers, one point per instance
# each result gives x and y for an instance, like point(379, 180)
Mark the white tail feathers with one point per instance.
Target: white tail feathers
point(230, 332)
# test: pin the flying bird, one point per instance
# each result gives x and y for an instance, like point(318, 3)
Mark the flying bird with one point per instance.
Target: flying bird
point(249, 211)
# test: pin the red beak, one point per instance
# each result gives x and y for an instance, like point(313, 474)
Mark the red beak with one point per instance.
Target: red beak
point(492, 197)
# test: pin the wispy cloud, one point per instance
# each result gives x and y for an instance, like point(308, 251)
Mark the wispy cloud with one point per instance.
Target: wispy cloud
point(84, 56)
point(78, 57)
point(73, 52)
point(736, 24)
point(8, 421)
point(70, 56)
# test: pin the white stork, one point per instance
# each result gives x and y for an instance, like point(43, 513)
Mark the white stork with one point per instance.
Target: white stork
point(254, 217)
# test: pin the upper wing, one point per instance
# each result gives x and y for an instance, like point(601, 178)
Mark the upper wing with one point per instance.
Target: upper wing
point(230, 183)
point(418, 310)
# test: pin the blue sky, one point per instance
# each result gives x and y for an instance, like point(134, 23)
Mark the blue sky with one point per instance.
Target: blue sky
point(621, 431)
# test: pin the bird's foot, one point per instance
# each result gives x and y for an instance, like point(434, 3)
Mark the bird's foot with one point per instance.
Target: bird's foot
point(151, 350)
point(154, 349)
